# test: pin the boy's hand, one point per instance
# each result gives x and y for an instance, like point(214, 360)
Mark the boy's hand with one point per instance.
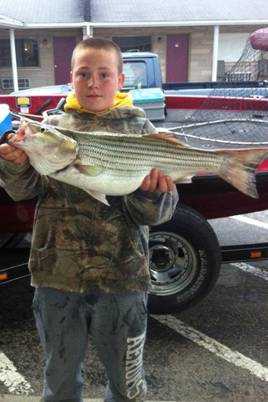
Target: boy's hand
point(12, 154)
point(157, 181)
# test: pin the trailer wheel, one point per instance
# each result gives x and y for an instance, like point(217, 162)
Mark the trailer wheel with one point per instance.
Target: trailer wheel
point(185, 261)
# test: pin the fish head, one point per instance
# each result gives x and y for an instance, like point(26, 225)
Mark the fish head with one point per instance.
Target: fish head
point(47, 148)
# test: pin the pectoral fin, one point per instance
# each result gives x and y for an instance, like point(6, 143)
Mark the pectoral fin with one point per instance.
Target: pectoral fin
point(89, 170)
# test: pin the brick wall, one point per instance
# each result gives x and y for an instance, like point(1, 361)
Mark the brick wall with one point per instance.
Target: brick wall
point(200, 49)
point(44, 73)
point(200, 46)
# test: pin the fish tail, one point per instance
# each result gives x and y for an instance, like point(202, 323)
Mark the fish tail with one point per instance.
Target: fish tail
point(239, 166)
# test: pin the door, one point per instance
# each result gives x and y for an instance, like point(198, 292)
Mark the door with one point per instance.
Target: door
point(177, 58)
point(63, 48)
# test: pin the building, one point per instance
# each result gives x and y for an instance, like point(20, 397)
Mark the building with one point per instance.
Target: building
point(192, 37)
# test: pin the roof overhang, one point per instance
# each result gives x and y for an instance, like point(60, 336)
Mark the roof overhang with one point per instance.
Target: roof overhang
point(176, 23)
point(6, 22)
point(59, 25)
point(144, 24)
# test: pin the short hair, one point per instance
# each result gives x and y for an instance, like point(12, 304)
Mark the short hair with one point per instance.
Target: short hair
point(99, 43)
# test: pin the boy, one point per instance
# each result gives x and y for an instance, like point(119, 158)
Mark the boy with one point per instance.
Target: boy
point(89, 262)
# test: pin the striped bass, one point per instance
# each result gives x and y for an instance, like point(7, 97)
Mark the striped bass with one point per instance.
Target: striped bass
point(107, 163)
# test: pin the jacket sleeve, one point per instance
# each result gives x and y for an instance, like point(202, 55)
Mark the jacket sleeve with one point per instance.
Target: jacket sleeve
point(21, 182)
point(146, 208)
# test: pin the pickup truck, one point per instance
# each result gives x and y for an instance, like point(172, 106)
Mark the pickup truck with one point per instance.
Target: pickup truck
point(185, 256)
point(149, 92)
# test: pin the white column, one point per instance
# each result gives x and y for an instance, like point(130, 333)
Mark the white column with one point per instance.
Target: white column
point(216, 32)
point(87, 31)
point(13, 59)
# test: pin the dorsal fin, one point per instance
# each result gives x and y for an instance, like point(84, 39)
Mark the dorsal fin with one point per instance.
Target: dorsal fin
point(169, 137)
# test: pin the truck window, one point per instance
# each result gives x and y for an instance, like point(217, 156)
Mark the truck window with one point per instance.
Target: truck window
point(135, 74)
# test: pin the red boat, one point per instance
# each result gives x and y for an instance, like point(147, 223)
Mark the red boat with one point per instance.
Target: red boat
point(185, 253)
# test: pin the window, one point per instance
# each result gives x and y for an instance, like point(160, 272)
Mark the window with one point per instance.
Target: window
point(134, 43)
point(135, 74)
point(7, 83)
point(26, 51)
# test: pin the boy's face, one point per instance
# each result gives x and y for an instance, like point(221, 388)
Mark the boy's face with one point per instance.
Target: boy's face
point(95, 78)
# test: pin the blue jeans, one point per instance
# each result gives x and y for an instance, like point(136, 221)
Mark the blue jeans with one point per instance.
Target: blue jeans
point(117, 324)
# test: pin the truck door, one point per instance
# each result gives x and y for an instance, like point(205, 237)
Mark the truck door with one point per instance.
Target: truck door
point(177, 58)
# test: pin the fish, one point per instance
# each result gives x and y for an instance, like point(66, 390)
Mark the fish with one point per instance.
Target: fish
point(115, 164)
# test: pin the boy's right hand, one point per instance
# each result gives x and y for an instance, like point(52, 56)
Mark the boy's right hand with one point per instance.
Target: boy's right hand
point(13, 154)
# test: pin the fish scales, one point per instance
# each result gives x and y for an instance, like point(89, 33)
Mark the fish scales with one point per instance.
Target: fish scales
point(153, 148)
point(108, 152)
point(104, 163)
point(139, 146)
point(103, 160)
point(134, 160)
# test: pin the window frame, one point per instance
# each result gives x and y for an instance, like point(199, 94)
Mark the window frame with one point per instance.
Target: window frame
point(20, 43)
point(134, 43)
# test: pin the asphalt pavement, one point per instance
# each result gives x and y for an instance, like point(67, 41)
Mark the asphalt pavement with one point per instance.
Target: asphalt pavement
point(13, 398)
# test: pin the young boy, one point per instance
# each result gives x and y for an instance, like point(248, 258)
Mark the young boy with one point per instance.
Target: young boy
point(89, 262)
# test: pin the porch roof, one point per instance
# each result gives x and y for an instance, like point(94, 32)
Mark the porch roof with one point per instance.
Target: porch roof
point(187, 12)
point(60, 13)
point(44, 11)
point(6, 22)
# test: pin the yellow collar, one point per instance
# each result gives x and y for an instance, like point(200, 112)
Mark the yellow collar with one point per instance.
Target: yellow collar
point(121, 99)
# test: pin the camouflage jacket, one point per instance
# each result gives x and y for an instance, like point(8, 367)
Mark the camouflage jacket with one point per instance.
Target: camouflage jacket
point(78, 243)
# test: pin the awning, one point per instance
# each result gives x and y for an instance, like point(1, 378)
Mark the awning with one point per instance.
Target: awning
point(6, 22)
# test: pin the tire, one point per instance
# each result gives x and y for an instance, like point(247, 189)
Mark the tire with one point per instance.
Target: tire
point(185, 262)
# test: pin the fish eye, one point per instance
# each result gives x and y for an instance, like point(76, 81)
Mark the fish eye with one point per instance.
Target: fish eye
point(42, 129)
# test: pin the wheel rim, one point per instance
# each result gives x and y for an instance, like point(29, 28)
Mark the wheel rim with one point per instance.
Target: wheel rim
point(173, 263)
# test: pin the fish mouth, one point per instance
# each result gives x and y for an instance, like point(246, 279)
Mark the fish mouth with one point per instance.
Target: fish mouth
point(17, 138)
point(24, 133)
point(20, 136)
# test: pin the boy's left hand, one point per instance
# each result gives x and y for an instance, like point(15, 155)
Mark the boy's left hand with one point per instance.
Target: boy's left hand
point(157, 181)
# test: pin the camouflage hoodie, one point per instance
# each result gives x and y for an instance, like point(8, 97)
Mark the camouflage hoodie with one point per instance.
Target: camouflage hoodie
point(78, 243)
